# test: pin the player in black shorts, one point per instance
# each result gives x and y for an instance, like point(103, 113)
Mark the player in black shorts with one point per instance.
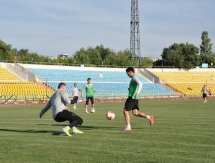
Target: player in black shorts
point(204, 95)
point(132, 101)
point(89, 94)
point(75, 94)
point(91, 99)
point(58, 102)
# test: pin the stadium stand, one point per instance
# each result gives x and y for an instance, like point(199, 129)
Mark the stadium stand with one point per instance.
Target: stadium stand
point(7, 76)
point(187, 82)
point(11, 86)
point(21, 89)
point(114, 84)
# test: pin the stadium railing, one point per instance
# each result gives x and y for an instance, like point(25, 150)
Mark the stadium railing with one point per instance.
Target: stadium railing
point(17, 98)
point(79, 64)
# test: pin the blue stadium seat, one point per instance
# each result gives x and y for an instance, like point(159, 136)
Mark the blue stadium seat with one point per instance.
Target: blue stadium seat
point(114, 84)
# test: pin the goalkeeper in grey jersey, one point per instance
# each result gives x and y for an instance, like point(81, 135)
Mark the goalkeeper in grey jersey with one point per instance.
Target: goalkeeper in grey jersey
point(58, 102)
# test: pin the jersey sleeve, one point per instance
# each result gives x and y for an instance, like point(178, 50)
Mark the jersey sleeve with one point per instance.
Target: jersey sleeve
point(140, 85)
point(85, 86)
point(65, 97)
point(46, 108)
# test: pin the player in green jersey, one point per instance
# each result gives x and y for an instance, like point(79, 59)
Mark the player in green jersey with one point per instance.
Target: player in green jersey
point(133, 99)
point(89, 94)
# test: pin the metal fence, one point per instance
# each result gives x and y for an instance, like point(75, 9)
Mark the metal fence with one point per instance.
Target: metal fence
point(79, 65)
point(16, 98)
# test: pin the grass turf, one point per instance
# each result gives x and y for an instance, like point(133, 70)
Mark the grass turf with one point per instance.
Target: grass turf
point(183, 132)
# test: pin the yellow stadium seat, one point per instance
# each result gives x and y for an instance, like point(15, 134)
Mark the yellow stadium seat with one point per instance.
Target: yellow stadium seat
point(188, 83)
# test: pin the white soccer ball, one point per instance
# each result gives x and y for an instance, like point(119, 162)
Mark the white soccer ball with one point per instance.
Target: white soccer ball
point(93, 110)
point(110, 115)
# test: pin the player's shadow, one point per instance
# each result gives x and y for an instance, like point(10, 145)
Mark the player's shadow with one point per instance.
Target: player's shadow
point(82, 127)
point(32, 131)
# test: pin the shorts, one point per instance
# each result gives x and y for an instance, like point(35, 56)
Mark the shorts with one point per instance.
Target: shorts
point(66, 115)
point(91, 99)
point(75, 98)
point(131, 104)
point(204, 95)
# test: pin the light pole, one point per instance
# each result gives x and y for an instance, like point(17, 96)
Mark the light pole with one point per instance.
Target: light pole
point(162, 63)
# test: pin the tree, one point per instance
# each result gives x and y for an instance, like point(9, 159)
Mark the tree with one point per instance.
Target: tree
point(23, 52)
point(124, 58)
point(181, 55)
point(6, 52)
point(206, 46)
point(147, 62)
point(104, 52)
point(94, 55)
point(110, 59)
point(81, 57)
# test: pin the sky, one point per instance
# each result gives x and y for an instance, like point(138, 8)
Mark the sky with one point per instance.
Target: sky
point(52, 27)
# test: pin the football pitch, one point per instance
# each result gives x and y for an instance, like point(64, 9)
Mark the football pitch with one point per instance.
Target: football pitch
point(184, 131)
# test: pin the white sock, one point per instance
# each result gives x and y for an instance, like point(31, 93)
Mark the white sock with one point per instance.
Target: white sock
point(148, 117)
point(129, 126)
point(74, 128)
point(67, 127)
point(74, 107)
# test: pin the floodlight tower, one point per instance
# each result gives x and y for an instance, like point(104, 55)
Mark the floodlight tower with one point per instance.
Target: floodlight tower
point(135, 33)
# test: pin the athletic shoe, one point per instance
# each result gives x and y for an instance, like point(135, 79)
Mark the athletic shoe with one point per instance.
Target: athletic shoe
point(65, 131)
point(80, 100)
point(76, 131)
point(75, 108)
point(151, 120)
point(87, 111)
point(127, 129)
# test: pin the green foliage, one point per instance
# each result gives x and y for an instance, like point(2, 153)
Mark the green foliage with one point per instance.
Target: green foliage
point(147, 62)
point(101, 55)
point(81, 57)
point(206, 49)
point(206, 46)
point(6, 51)
point(187, 55)
point(183, 132)
point(178, 55)
point(110, 59)
point(181, 55)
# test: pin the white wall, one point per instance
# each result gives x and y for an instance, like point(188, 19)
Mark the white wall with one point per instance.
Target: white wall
point(72, 68)
point(3, 64)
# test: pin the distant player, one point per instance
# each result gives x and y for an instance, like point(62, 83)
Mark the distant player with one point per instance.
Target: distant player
point(89, 94)
point(204, 95)
point(58, 102)
point(75, 91)
point(133, 99)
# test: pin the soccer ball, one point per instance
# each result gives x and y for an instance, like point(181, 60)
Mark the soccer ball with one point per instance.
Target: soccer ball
point(93, 110)
point(110, 115)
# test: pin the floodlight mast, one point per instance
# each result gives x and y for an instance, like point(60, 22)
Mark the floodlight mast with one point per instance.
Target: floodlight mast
point(135, 33)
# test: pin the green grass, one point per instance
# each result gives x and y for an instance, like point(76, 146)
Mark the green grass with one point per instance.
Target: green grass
point(184, 131)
